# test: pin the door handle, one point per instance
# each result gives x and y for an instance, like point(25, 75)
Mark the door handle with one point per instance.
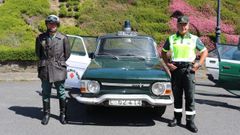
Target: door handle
point(226, 67)
point(212, 61)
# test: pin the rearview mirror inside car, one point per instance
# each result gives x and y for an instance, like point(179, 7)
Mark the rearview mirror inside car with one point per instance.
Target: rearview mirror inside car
point(91, 55)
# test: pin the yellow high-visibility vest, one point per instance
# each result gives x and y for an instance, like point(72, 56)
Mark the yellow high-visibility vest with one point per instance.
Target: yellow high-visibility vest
point(183, 49)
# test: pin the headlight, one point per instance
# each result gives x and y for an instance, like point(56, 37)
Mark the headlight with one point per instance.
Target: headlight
point(93, 87)
point(158, 88)
point(89, 86)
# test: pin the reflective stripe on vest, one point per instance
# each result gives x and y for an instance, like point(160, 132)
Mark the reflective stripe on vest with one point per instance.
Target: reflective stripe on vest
point(183, 50)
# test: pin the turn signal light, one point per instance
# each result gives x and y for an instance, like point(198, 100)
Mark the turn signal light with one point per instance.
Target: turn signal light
point(83, 90)
point(167, 92)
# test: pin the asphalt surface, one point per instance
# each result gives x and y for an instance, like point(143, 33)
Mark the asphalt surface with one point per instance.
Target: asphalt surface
point(218, 113)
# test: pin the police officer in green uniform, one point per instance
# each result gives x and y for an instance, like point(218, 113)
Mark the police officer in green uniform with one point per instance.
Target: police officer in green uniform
point(52, 48)
point(182, 47)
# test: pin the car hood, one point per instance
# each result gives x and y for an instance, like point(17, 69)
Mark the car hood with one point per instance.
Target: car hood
point(126, 68)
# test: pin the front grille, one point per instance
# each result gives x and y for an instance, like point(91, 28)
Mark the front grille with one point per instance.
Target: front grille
point(126, 84)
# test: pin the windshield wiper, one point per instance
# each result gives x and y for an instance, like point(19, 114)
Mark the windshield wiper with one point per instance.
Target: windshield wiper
point(136, 56)
point(109, 54)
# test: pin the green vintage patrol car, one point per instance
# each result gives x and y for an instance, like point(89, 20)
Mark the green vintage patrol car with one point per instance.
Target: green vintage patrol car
point(126, 71)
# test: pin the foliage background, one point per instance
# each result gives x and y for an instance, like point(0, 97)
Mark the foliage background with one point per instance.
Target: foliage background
point(22, 20)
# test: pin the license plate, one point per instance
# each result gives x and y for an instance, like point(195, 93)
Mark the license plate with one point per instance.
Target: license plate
point(124, 102)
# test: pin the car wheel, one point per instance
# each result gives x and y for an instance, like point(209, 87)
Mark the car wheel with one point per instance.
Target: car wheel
point(159, 110)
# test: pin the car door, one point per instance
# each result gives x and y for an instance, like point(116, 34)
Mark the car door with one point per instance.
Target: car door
point(229, 67)
point(212, 65)
point(79, 59)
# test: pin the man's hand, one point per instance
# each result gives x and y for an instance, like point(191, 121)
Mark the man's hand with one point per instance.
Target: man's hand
point(196, 66)
point(171, 66)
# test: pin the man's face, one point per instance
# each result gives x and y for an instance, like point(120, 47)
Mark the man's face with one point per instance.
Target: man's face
point(183, 28)
point(52, 27)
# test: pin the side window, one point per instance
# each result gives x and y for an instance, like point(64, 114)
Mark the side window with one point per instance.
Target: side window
point(90, 43)
point(229, 52)
point(77, 46)
point(236, 55)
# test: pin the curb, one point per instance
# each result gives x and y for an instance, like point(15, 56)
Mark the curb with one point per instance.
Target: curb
point(18, 76)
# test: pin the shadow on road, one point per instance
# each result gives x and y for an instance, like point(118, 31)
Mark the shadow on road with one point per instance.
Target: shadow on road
point(79, 114)
point(110, 116)
point(217, 95)
point(31, 112)
point(217, 104)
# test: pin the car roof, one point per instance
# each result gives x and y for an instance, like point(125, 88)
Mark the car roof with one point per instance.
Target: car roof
point(115, 35)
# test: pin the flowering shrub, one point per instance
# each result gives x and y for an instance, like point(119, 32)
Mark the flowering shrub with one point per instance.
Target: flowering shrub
point(232, 39)
point(201, 23)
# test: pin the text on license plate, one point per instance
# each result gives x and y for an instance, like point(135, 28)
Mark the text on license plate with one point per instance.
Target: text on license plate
point(124, 102)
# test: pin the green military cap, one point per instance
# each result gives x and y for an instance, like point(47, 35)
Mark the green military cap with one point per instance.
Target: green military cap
point(183, 19)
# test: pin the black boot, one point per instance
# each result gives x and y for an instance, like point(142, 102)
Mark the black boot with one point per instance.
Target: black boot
point(46, 113)
point(190, 124)
point(63, 108)
point(176, 120)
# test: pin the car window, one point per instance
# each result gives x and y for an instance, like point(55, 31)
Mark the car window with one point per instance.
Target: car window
point(90, 43)
point(125, 46)
point(213, 54)
point(229, 52)
point(76, 45)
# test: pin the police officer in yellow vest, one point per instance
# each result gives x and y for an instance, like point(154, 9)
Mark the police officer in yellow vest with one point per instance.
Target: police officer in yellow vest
point(182, 47)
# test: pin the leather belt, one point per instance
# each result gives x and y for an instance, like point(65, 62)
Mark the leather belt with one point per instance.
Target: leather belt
point(182, 64)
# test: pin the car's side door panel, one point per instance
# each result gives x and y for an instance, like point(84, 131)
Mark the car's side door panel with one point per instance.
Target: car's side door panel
point(229, 68)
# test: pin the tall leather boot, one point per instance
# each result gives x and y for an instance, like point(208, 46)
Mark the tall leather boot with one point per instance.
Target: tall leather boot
point(46, 113)
point(176, 120)
point(63, 108)
point(190, 123)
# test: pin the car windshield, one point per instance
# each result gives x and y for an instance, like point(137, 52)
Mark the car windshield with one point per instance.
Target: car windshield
point(230, 52)
point(127, 46)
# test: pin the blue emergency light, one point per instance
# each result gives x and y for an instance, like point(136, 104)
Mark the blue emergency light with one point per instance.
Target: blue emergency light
point(127, 26)
point(127, 30)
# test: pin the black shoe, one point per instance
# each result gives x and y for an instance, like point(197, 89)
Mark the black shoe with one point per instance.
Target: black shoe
point(63, 118)
point(45, 119)
point(63, 110)
point(191, 126)
point(174, 122)
point(46, 113)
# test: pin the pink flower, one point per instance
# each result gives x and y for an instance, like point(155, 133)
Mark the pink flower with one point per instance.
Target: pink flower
point(200, 23)
point(232, 39)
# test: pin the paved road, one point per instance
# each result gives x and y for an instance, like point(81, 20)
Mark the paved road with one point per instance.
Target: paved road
point(218, 113)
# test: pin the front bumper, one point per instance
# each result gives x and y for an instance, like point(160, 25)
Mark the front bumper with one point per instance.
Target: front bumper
point(106, 97)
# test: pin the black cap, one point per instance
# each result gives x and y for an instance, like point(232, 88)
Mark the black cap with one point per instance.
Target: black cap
point(183, 19)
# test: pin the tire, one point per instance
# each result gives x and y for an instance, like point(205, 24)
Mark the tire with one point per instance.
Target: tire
point(159, 110)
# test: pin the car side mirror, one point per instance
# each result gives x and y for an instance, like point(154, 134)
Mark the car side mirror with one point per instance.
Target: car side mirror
point(91, 55)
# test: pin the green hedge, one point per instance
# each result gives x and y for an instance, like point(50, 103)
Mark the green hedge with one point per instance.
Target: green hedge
point(17, 31)
point(17, 54)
